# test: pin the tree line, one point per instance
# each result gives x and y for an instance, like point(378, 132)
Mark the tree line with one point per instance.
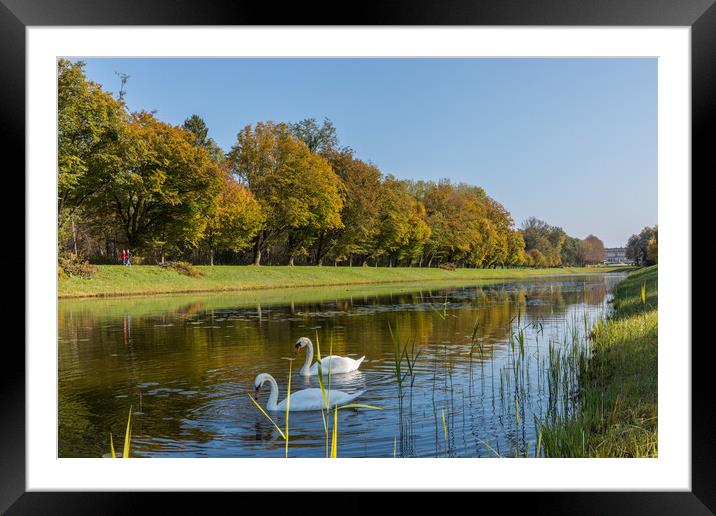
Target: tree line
point(285, 193)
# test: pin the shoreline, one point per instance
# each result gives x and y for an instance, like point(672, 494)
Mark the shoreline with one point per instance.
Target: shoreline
point(114, 281)
point(619, 382)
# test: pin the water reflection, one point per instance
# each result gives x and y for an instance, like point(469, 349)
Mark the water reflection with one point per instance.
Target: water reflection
point(186, 363)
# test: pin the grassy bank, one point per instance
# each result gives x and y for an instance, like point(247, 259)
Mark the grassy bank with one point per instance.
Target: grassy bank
point(618, 395)
point(116, 280)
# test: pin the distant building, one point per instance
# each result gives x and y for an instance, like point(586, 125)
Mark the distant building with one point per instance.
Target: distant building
point(616, 255)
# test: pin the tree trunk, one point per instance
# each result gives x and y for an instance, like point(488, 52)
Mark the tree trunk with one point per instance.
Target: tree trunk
point(74, 235)
point(211, 257)
point(319, 250)
point(257, 252)
point(290, 261)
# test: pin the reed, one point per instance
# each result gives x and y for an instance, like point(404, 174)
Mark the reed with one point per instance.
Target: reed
point(127, 438)
point(326, 393)
point(442, 313)
point(288, 403)
point(283, 433)
point(334, 439)
point(278, 428)
point(402, 352)
point(474, 340)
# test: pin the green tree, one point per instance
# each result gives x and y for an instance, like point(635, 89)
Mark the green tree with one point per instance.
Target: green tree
point(89, 125)
point(318, 138)
point(571, 251)
point(548, 240)
point(162, 188)
point(197, 127)
point(638, 246)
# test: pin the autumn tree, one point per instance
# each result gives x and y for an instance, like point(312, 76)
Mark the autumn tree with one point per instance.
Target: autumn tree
point(516, 254)
point(454, 216)
point(361, 195)
point(652, 252)
point(401, 229)
point(235, 219)
point(536, 259)
point(497, 228)
point(592, 250)
point(548, 240)
point(297, 189)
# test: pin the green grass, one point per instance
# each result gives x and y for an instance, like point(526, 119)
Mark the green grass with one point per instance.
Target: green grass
point(618, 416)
point(117, 280)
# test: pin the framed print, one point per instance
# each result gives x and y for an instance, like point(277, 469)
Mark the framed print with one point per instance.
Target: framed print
point(422, 241)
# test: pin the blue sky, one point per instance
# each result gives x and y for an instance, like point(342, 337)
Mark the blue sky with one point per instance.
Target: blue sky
point(570, 141)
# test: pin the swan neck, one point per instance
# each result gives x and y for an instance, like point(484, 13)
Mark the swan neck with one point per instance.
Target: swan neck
point(273, 397)
point(309, 357)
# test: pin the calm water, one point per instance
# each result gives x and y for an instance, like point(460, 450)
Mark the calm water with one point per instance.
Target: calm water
point(186, 364)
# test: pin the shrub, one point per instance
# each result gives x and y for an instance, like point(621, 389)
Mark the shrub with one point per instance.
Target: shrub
point(449, 266)
point(72, 265)
point(185, 268)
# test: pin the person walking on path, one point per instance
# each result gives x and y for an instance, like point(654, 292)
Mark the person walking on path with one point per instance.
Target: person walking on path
point(123, 256)
point(129, 257)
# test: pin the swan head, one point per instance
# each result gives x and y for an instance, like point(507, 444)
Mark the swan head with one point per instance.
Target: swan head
point(258, 382)
point(302, 343)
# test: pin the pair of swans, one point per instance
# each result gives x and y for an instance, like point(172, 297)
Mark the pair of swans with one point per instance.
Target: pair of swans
point(311, 399)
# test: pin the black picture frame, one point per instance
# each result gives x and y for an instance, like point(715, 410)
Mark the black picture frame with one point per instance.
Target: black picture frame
point(16, 15)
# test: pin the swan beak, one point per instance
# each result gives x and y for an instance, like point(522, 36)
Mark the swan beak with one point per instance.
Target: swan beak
point(298, 348)
point(256, 394)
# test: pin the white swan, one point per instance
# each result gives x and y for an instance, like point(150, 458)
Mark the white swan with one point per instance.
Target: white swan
point(307, 399)
point(336, 364)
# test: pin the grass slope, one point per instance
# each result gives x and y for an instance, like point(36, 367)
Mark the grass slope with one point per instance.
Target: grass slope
point(619, 384)
point(117, 280)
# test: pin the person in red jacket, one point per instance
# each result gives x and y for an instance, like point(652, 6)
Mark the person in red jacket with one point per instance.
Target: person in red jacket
point(123, 256)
